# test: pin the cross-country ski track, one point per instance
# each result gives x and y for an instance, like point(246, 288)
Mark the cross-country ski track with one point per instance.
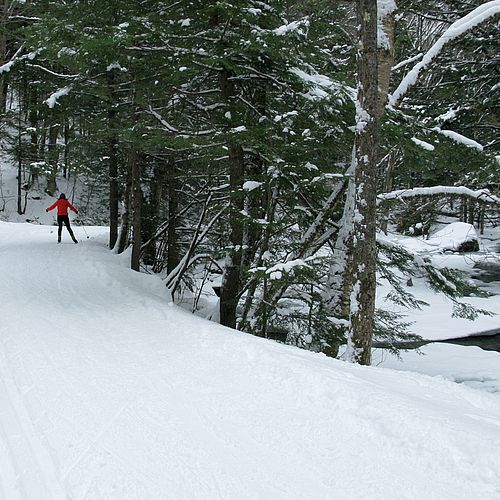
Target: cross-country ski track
point(107, 391)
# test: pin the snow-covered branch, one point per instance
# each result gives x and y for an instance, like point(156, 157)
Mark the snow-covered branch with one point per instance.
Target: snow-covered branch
point(461, 139)
point(407, 61)
point(5, 68)
point(458, 28)
point(481, 194)
point(53, 73)
point(173, 130)
point(52, 100)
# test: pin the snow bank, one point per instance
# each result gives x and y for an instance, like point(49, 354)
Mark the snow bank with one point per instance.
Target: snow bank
point(119, 396)
point(470, 366)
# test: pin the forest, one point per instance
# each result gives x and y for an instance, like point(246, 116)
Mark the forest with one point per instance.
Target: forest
point(261, 152)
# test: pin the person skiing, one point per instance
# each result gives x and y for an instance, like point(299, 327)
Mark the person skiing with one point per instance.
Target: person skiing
point(62, 205)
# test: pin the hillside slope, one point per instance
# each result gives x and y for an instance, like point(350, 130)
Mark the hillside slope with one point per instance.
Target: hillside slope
point(107, 392)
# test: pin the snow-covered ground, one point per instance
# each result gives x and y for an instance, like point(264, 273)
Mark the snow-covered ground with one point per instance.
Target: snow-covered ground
point(84, 197)
point(435, 321)
point(107, 392)
point(461, 364)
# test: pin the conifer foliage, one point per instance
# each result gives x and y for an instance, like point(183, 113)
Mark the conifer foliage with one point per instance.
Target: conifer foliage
point(219, 138)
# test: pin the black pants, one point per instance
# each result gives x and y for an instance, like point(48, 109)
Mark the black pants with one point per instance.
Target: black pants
point(65, 219)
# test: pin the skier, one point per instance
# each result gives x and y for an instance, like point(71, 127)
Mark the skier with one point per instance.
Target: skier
point(62, 205)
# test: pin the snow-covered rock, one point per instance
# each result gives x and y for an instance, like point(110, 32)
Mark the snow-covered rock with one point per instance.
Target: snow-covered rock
point(456, 237)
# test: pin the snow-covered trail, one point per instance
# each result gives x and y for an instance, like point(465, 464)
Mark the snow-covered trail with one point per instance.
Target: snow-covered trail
point(106, 392)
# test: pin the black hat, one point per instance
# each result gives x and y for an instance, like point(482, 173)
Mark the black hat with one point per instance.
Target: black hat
point(62, 196)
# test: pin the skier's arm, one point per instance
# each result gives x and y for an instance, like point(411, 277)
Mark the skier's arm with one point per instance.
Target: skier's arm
point(72, 207)
point(51, 207)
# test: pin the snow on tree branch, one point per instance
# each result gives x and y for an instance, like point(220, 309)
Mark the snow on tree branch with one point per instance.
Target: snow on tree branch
point(481, 194)
point(461, 139)
point(5, 68)
point(52, 100)
point(458, 28)
point(405, 62)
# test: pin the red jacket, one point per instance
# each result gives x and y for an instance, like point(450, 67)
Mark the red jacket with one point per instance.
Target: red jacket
point(62, 207)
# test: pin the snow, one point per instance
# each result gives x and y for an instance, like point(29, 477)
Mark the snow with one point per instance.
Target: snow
point(461, 139)
point(321, 85)
point(116, 65)
point(239, 129)
point(66, 51)
point(251, 185)
point(423, 144)
point(452, 236)
point(435, 321)
point(53, 99)
point(470, 366)
point(384, 9)
point(293, 27)
point(5, 68)
point(107, 392)
point(449, 115)
point(362, 117)
point(479, 194)
point(458, 28)
point(276, 272)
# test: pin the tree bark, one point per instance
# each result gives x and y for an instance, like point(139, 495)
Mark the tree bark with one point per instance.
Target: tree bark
point(136, 193)
point(113, 163)
point(363, 248)
point(172, 245)
point(66, 148)
point(232, 280)
point(385, 60)
point(53, 157)
point(124, 234)
point(4, 14)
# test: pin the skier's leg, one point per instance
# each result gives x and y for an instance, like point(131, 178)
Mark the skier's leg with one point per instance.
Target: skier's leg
point(59, 230)
point(68, 227)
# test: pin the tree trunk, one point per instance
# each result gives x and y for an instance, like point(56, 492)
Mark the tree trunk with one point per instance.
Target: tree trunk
point(4, 14)
point(231, 280)
point(172, 245)
point(385, 58)
point(33, 149)
point(135, 169)
point(123, 237)
point(53, 158)
point(113, 163)
point(471, 212)
point(66, 148)
point(363, 248)
point(19, 170)
point(388, 186)
point(151, 212)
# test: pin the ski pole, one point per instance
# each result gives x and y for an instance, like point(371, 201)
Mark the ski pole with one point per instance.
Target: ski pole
point(83, 227)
